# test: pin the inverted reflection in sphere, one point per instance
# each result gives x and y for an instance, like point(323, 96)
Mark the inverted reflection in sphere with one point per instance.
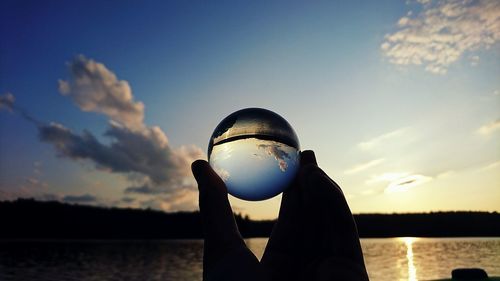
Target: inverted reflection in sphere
point(256, 152)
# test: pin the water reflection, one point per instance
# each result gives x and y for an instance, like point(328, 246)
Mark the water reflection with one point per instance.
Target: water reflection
point(101, 260)
point(181, 260)
point(412, 270)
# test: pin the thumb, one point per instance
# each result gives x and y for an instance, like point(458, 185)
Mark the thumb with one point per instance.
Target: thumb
point(216, 212)
point(223, 243)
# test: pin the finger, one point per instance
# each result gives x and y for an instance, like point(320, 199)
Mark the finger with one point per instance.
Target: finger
point(289, 208)
point(221, 233)
point(205, 176)
point(330, 229)
point(216, 212)
point(290, 201)
point(280, 256)
point(307, 157)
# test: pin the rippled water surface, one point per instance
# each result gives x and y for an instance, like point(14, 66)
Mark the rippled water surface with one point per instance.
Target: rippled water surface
point(386, 259)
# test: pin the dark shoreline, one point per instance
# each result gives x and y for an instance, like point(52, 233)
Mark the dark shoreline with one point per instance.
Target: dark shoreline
point(27, 219)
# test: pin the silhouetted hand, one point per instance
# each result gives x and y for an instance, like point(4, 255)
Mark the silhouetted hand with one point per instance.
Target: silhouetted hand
point(315, 237)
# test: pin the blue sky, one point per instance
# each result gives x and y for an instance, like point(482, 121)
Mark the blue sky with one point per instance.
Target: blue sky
point(385, 92)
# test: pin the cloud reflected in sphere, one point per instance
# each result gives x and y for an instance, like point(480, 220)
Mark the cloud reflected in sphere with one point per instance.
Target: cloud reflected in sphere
point(256, 152)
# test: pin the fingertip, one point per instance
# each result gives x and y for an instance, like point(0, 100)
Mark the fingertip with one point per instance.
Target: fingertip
point(219, 226)
point(308, 157)
point(198, 167)
point(206, 177)
point(322, 189)
point(198, 164)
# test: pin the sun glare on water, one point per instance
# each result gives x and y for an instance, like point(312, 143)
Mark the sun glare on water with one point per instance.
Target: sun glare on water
point(412, 270)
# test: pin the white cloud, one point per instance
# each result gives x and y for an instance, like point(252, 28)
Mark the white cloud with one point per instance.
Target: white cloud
point(405, 183)
point(489, 128)
point(93, 87)
point(442, 32)
point(364, 166)
point(142, 152)
point(223, 174)
point(369, 144)
point(399, 181)
point(278, 153)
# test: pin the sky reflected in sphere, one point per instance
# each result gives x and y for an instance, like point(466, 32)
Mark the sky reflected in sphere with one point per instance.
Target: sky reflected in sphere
point(256, 152)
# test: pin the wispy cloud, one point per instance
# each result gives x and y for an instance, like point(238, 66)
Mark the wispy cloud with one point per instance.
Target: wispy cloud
point(386, 177)
point(488, 129)
point(36, 183)
point(442, 32)
point(364, 166)
point(180, 201)
point(7, 103)
point(278, 153)
point(490, 166)
point(223, 174)
point(405, 183)
point(369, 144)
point(399, 181)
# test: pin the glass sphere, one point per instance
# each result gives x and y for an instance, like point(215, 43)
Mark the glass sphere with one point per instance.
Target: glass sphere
point(255, 152)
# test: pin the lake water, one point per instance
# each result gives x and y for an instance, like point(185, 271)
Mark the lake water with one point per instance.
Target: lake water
point(386, 259)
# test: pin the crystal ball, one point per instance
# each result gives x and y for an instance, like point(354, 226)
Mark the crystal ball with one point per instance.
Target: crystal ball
point(256, 153)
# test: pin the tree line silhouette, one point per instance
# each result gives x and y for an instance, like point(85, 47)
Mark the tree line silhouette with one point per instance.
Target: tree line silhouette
point(31, 219)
